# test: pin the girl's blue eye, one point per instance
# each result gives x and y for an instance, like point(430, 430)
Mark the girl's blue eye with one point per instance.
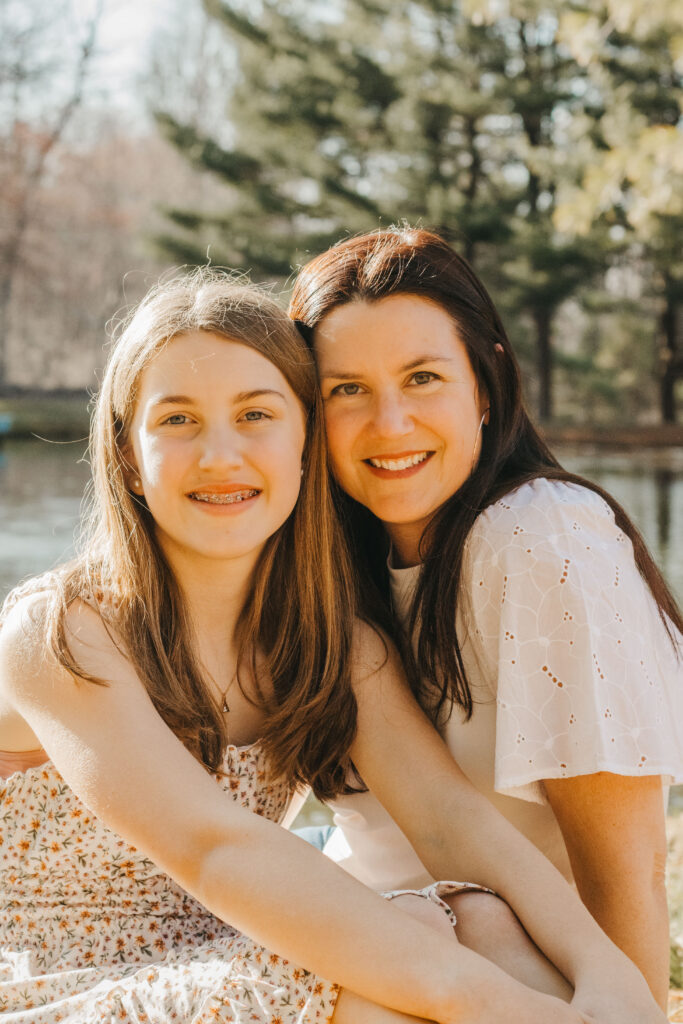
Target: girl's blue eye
point(177, 419)
point(254, 415)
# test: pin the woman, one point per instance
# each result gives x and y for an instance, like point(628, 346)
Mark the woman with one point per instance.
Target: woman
point(534, 605)
point(191, 668)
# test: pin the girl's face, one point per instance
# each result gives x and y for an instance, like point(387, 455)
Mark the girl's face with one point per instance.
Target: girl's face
point(402, 408)
point(216, 444)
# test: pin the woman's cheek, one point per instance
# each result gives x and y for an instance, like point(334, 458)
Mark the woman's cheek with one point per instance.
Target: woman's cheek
point(339, 432)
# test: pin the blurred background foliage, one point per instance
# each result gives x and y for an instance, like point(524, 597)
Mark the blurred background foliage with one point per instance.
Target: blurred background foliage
point(543, 138)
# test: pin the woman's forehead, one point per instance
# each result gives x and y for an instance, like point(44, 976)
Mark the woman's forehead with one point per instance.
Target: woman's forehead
point(395, 329)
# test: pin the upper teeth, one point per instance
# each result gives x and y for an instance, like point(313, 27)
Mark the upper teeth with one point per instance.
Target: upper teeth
point(223, 499)
point(396, 464)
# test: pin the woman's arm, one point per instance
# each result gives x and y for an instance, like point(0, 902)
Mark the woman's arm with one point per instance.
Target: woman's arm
point(457, 833)
point(614, 830)
point(119, 757)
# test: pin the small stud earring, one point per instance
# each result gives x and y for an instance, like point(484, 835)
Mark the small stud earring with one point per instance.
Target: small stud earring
point(137, 483)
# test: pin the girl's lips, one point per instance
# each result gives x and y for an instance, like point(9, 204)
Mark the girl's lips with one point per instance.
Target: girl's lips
point(223, 500)
point(399, 473)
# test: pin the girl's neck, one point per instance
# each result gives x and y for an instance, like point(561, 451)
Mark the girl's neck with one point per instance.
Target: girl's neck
point(214, 593)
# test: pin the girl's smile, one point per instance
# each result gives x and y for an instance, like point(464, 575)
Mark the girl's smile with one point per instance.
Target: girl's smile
point(402, 409)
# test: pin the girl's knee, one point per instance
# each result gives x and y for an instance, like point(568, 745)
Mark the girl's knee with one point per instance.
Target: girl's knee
point(426, 911)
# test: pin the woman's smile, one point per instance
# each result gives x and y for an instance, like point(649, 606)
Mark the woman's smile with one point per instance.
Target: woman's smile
point(396, 467)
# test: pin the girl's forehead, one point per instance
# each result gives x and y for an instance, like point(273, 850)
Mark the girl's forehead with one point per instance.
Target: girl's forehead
point(202, 360)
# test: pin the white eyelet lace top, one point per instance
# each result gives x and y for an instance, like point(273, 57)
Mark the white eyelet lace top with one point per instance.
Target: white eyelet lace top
point(570, 665)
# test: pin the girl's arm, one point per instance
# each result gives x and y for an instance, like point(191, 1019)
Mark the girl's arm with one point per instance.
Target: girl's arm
point(118, 756)
point(458, 834)
point(614, 830)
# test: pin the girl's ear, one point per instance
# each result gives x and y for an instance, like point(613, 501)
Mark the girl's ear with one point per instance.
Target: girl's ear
point(130, 470)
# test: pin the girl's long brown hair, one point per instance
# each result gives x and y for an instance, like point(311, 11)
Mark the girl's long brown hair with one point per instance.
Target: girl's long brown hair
point(298, 617)
point(417, 262)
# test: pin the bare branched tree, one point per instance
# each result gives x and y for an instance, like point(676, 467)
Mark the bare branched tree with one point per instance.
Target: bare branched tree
point(42, 82)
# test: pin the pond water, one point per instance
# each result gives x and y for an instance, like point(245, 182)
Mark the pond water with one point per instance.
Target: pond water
point(42, 486)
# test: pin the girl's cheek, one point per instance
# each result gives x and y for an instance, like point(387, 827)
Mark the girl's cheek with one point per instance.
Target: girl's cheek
point(155, 459)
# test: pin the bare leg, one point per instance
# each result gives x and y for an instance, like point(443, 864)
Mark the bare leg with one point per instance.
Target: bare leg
point(487, 925)
point(352, 1009)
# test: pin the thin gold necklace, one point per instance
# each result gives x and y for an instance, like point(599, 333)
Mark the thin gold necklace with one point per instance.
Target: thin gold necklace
point(225, 708)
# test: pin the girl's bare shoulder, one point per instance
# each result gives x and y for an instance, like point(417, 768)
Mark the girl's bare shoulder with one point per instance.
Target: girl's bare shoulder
point(28, 661)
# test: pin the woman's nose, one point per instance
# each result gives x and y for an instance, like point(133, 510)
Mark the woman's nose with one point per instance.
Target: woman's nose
point(221, 447)
point(392, 415)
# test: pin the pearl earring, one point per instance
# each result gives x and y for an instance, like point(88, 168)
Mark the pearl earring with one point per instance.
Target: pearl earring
point(137, 483)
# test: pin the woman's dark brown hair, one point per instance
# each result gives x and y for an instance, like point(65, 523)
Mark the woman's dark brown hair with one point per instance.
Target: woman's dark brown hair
point(417, 262)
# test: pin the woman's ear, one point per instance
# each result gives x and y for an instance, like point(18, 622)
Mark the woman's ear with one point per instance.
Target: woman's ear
point(484, 405)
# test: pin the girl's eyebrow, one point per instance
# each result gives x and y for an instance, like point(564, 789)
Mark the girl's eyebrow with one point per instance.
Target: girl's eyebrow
point(246, 396)
point(341, 375)
point(173, 400)
point(243, 396)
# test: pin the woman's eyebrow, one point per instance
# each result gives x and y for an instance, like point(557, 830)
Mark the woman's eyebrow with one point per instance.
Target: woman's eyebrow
point(343, 375)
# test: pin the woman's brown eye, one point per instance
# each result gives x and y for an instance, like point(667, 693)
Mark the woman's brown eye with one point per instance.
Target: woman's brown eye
point(424, 377)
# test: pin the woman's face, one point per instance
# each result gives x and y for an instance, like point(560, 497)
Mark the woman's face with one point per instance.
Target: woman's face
point(402, 408)
point(216, 442)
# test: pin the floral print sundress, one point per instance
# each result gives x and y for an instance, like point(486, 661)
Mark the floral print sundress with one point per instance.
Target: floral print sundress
point(92, 932)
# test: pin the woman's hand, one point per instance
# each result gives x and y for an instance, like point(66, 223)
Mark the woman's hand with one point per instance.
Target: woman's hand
point(507, 999)
point(630, 1003)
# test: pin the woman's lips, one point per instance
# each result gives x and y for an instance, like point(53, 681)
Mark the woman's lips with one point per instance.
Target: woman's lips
point(398, 466)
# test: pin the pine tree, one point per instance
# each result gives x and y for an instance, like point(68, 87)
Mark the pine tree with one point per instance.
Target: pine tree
point(362, 113)
point(633, 178)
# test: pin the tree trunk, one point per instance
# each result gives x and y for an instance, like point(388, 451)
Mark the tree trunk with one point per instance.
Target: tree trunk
point(543, 320)
point(671, 365)
point(5, 295)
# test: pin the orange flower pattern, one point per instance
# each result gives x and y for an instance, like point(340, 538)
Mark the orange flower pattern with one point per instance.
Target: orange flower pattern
point(92, 931)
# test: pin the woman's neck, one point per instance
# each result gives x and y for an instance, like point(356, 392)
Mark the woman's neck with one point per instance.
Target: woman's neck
point(405, 543)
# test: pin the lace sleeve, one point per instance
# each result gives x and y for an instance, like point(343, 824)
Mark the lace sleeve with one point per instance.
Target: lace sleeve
point(587, 677)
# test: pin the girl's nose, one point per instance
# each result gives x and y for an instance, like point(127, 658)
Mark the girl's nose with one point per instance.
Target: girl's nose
point(221, 448)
